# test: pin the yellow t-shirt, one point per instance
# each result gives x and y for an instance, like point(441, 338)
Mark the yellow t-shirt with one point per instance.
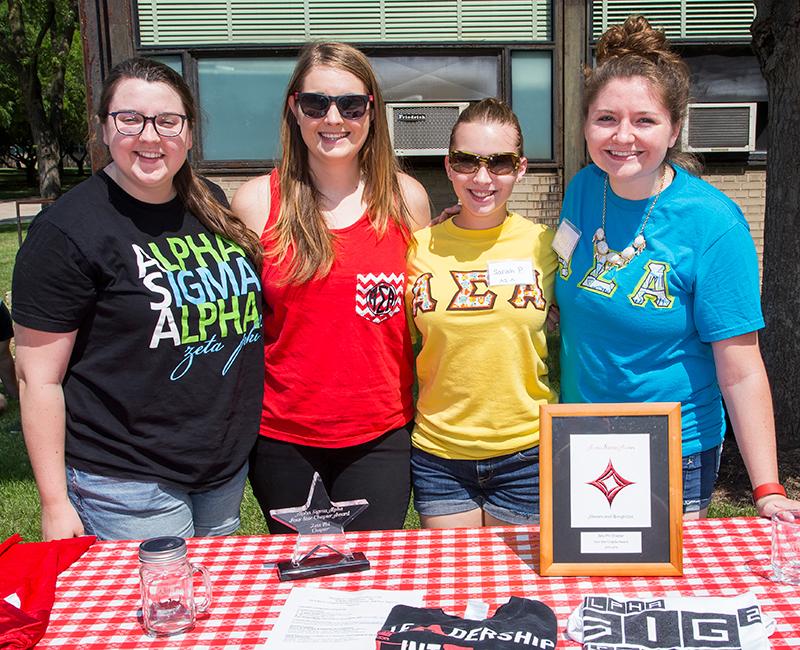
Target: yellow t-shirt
point(482, 372)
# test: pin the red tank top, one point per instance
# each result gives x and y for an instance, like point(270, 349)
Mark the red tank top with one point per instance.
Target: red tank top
point(337, 352)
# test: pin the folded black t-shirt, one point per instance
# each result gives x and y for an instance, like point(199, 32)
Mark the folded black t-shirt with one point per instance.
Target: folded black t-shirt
point(519, 624)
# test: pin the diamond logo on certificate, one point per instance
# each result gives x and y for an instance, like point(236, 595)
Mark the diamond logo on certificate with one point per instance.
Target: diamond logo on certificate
point(321, 547)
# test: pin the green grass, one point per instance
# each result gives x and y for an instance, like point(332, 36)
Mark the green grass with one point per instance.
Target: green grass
point(19, 501)
point(19, 505)
point(8, 251)
point(722, 508)
point(14, 186)
point(253, 522)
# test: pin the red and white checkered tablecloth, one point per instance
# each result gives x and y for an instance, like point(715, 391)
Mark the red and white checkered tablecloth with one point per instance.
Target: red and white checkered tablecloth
point(98, 597)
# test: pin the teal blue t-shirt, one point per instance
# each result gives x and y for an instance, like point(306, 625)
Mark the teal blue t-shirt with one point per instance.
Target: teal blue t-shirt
point(643, 333)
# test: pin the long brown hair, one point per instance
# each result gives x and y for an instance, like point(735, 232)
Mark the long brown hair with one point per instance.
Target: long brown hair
point(191, 189)
point(635, 49)
point(300, 226)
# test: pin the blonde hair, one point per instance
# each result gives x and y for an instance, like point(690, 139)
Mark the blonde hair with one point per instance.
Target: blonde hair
point(489, 110)
point(635, 49)
point(190, 188)
point(300, 226)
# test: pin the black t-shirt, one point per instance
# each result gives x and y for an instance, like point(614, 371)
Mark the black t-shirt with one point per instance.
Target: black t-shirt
point(519, 624)
point(6, 327)
point(166, 375)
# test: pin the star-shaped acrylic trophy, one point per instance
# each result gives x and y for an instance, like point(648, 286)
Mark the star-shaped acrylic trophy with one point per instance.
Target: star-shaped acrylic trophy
point(321, 547)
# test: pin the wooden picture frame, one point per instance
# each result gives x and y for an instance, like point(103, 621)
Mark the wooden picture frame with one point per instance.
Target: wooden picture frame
point(610, 489)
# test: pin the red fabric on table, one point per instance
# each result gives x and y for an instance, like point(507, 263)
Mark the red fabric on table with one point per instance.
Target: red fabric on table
point(30, 571)
point(97, 599)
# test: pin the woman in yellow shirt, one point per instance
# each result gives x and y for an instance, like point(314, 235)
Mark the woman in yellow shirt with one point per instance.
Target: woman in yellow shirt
point(480, 286)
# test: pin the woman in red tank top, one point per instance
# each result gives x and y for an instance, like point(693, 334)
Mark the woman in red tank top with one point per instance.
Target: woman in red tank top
point(335, 219)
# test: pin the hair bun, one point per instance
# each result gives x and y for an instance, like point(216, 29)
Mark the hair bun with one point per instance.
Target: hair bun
point(634, 37)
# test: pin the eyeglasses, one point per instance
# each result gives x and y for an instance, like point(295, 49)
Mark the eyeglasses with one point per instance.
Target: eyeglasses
point(132, 123)
point(499, 164)
point(317, 105)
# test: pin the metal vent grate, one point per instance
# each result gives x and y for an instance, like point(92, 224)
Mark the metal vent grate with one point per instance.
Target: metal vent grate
point(705, 20)
point(422, 129)
point(206, 22)
point(720, 127)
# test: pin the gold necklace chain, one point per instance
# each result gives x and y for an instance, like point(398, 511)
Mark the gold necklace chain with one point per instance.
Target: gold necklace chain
point(637, 245)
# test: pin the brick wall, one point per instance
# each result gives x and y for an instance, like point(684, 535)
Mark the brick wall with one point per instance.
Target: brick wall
point(436, 183)
point(748, 187)
point(229, 184)
point(538, 195)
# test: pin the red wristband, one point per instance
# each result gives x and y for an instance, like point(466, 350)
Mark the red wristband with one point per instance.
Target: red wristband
point(765, 489)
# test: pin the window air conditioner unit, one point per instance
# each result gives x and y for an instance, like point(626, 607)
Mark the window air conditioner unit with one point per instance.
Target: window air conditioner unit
point(422, 129)
point(720, 127)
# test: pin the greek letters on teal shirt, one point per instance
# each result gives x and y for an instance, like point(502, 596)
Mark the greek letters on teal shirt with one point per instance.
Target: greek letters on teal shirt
point(643, 333)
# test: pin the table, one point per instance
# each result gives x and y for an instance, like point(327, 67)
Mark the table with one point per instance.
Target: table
point(97, 598)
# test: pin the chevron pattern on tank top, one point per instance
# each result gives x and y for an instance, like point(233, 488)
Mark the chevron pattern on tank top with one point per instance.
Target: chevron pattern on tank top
point(379, 296)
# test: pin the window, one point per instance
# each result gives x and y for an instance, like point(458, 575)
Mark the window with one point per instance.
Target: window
point(241, 53)
point(532, 100)
point(432, 77)
point(242, 101)
point(172, 60)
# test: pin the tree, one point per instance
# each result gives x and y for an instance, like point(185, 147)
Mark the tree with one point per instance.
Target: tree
point(35, 41)
point(17, 150)
point(776, 34)
point(75, 128)
point(16, 145)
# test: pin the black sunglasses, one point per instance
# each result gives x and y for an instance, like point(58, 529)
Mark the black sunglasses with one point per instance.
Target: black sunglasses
point(317, 105)
point(499, 164)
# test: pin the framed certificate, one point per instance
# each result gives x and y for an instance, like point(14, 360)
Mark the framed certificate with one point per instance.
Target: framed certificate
point(610, 489)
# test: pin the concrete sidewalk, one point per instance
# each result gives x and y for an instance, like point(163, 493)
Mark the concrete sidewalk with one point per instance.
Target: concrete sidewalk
point(8, 210)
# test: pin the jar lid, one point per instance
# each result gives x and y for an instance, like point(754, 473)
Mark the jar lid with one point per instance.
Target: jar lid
point(162, 549)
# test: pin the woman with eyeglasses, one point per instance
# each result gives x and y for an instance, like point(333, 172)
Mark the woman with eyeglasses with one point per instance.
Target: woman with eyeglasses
point(137, 305)
point(480, 286)
point(335, 219)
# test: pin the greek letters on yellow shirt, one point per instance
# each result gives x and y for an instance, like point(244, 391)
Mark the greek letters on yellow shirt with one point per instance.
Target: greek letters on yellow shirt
point(482, 368)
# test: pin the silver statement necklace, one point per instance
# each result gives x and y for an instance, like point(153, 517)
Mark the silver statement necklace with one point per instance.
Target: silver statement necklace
point(639, 243)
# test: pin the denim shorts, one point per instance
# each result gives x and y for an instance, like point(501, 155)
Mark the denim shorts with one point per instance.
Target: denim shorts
point(699, 476)
point(507, 487)
point(119, 508)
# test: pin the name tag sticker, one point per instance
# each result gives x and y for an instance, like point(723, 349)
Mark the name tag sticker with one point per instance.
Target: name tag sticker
point(566, 239)
point(510, 272)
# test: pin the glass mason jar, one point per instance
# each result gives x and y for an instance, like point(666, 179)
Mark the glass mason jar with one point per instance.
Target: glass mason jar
point(166, 579)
